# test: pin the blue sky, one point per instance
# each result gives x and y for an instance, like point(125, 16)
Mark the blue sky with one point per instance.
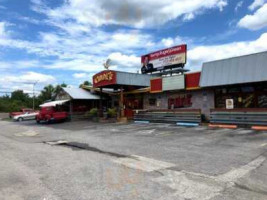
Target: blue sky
point(68, 40)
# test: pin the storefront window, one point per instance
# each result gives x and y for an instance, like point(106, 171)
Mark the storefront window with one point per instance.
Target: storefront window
point(181, 101)
point(248, 101)
point(250, 96)
point(233, 90)
point(247, 89)
point(262, 101)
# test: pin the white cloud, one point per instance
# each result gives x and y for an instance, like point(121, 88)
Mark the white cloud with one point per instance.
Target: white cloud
point(80, 75)
point(20, 64)
point(256, 4)
point(29, 77)
point(188, 17)
point(3, 31)
point(123, 62)
point(167, 42)
point(238, 5)
point(136, 13)
point(29, 20)
point(200, 54)
point(256, 21)
point(24, 81)
point(86, 46)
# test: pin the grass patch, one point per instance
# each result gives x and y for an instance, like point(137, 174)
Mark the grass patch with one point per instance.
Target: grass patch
point(7, 119)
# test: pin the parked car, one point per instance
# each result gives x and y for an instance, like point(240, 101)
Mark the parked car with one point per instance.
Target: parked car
point(22, 111)
point(48, 114)
point(25, 116)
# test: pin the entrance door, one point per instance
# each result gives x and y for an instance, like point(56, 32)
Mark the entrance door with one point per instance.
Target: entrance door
point(132, 103)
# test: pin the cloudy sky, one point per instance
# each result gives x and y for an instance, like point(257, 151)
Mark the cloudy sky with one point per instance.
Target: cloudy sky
point(55, 41)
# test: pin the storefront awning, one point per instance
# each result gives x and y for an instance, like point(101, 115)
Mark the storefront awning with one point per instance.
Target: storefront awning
point(117, 79)
point(54, 103)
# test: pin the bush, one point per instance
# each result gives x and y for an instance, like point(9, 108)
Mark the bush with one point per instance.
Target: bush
point(92, 113)
point(112, 112)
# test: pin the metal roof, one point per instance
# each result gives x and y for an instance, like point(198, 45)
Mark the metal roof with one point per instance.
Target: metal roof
point(237, 70)
point(54, 103)
point(79, 93)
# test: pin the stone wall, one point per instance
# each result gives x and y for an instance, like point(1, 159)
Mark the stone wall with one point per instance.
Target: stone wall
point(201, 99)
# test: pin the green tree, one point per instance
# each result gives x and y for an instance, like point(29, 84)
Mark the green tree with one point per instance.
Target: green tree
point(19, 95)
point(49, 92)
point(58, 88)
point(86, 83)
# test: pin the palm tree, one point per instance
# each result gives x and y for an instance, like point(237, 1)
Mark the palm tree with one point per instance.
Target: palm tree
point(47, 93)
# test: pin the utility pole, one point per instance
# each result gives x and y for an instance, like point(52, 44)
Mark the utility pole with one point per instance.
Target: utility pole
point(33, 98)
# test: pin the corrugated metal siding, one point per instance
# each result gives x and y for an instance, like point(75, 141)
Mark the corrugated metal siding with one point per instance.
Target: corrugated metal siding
point(173, 83)
point(244, 69)
point(79, 93)
point(124, 78)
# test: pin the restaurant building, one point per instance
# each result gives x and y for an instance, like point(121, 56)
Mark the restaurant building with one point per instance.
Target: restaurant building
point(242, 79)
point(231, 85)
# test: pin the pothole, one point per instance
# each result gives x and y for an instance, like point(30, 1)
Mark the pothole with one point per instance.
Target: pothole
point(83, 146)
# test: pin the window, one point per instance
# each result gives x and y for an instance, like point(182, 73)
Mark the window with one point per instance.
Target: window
point(152, 102)
point(182, 101)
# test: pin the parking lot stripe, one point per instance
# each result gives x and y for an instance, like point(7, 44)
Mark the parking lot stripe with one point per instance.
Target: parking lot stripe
point(143, 163)
point(235, 174)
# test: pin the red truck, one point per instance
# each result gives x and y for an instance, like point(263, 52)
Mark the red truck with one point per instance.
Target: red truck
point(21, 112)
point(48, 114)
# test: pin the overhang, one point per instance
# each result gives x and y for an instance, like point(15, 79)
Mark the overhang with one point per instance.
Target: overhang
point(54, 103)
point(117, 79)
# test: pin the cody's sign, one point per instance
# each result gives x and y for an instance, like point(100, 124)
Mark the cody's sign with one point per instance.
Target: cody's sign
point(104, 78)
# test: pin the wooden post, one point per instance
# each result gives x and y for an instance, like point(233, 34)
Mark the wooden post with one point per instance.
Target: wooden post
point(71, 109)
point(121, 103)
point(101, 104)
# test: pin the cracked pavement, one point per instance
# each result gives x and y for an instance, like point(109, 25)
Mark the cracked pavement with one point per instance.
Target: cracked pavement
point(84, 160)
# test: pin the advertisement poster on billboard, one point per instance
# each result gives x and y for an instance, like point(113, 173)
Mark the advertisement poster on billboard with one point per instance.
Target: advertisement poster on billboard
point(171, 57)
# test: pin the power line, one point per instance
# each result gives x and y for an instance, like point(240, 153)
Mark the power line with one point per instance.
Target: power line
point(4, 92)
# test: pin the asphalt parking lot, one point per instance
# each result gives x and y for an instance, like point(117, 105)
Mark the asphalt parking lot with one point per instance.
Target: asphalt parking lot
point(85, 160)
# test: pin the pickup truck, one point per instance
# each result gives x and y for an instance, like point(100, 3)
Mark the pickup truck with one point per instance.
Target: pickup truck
point(48, 114)
point(21, 112)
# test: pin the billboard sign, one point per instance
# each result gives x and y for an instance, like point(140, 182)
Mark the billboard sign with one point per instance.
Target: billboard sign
point(167, 58)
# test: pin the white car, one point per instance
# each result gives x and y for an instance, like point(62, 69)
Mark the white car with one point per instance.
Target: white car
point(25, 116)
